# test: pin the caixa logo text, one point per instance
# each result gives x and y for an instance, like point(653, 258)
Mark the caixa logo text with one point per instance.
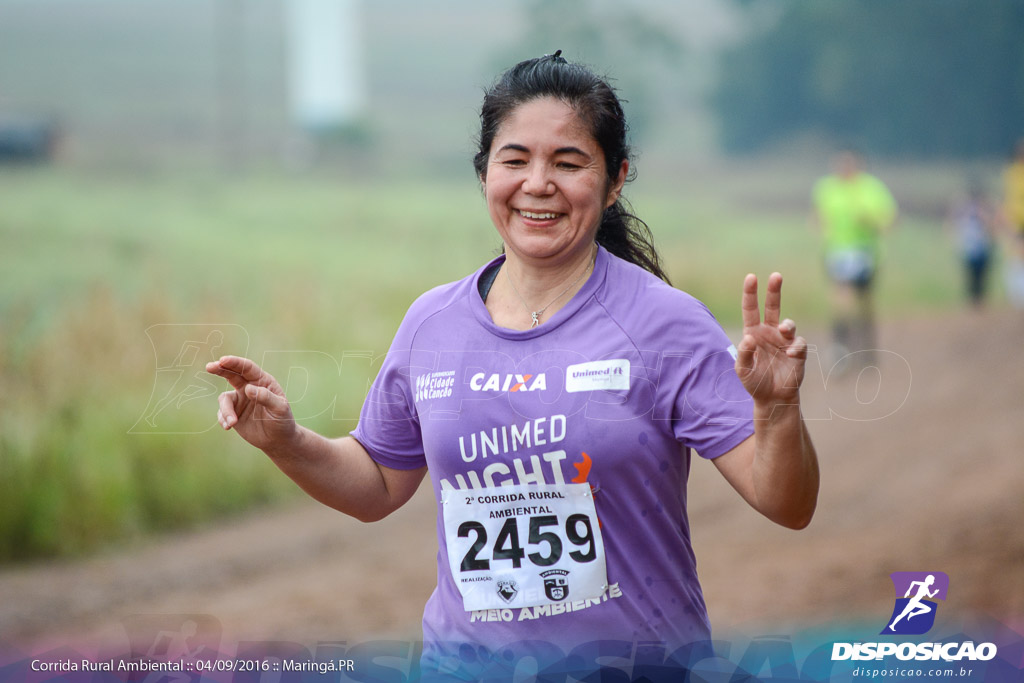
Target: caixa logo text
point(482, 381)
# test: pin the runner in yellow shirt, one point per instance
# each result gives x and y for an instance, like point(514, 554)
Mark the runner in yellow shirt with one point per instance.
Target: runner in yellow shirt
point(1013, 181)
point(854, 209)
point(1013, 209)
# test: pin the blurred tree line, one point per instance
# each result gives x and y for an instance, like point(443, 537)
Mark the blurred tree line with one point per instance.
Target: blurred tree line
point(919, 78)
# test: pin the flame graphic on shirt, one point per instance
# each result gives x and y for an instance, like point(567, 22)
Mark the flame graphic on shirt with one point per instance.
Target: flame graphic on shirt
point(582, 469)
point(582, 472)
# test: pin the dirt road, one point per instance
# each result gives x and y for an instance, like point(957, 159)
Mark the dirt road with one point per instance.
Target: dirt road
point(922, 469)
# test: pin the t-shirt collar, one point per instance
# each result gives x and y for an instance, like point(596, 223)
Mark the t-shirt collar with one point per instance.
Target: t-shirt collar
point(592, 284)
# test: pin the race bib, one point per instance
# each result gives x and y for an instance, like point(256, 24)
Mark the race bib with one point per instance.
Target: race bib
point(524, 546)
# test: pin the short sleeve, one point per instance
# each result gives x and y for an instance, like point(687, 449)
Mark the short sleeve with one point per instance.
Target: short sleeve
point(882, 204)
point(711, 411)
point(389, 427)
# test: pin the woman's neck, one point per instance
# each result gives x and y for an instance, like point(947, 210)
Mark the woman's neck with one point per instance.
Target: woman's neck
point(541, 281)
point(527, 294)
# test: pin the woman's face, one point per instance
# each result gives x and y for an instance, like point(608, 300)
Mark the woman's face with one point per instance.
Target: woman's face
point(547, 184)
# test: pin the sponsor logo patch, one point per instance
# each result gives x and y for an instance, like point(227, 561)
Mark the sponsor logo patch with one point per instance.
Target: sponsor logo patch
point(483, 381)
point(599, 375)
point(507, 589)
point(556, 585)
point(434, 385)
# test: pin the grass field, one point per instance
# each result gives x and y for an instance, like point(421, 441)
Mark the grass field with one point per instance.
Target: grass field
point(102, 275)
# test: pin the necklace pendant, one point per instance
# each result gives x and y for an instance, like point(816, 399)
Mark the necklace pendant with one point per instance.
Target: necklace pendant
point(536, 319)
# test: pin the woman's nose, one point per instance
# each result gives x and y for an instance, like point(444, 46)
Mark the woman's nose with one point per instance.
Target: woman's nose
point(538, 180)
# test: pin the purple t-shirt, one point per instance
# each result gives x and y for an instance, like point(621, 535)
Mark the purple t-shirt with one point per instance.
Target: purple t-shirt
point(614, 391)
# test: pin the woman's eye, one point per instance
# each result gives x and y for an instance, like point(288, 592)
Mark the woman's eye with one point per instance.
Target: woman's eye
point(514, 162)
point(567, 166)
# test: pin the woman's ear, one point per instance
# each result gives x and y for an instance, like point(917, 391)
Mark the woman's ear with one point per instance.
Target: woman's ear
point(615, 190)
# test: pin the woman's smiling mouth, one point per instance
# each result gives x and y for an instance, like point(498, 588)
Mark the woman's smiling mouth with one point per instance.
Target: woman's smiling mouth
point(538, 215)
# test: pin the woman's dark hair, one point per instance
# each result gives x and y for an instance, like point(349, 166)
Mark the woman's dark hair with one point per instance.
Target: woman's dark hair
point(597, 106)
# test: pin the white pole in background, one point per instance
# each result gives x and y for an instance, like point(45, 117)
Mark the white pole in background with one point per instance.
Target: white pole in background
point(326, 83)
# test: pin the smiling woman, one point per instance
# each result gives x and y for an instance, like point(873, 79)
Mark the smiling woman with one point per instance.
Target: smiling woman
point(545, 185)
point(546, 191)
point(593, 117)
point(555, 398)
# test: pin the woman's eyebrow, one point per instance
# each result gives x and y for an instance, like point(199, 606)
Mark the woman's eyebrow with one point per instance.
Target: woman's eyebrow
point(515, 146)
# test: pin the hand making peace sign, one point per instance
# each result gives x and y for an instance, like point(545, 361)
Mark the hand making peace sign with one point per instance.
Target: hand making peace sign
point(770, 360)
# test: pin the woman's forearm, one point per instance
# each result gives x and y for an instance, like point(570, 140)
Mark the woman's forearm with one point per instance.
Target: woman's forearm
point(341, 474)
point(785, 468)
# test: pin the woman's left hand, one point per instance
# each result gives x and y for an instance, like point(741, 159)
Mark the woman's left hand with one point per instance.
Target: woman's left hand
point(770, 357)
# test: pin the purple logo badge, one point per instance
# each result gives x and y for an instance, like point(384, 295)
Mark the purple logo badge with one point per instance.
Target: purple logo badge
point(916, 592)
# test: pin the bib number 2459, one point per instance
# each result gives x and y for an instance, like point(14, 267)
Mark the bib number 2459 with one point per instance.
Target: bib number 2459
point(545, 534)
point(524, 546)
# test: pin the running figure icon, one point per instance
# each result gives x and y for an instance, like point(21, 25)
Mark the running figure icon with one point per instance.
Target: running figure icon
point(180, 353)
point(915, 607)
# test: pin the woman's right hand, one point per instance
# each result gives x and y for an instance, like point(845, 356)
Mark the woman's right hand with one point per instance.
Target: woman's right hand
point(256, 408)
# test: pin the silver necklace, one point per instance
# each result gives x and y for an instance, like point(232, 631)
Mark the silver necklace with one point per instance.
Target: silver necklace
point(535, 315)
